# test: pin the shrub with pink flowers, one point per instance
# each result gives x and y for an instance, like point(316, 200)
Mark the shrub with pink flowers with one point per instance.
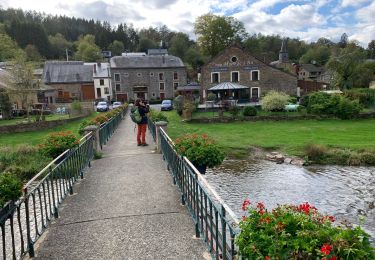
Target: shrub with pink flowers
point(57, 142)
point(298, 232)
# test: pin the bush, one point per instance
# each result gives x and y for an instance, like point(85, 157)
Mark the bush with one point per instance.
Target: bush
point(56, 143)
point(368, 158)
point(234, 111)
point(156, 116)
point(211, 97)
point(76, 105)
point(275, 101)
point(347, 109)
point(298, 232)
point(315, 152)
point(10, 188)
point(201, 150)
point(249, 111)
point(322, 103)
point(365, 96)
point(178, 104)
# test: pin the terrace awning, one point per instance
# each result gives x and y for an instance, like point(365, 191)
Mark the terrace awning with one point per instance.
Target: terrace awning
point(227, 86)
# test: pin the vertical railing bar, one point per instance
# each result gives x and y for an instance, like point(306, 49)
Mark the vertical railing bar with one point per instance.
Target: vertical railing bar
point(12, 235)
point(20, 229)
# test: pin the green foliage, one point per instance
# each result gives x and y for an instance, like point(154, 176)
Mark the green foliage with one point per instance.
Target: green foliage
point(9, 49)
point(157, 116)
point(59, 45)
point(10, 188)
point(321, 103)
point(365, 96)
point(249, 111)
point(211, 97)
point(226, 30)
point(319, 55)
point(178, 104)
point(56, 143)
point(234, 111)
point(116, 47)
point(5, 105)
point(179, 44)
point(201, 150)
point(298, 232)
point(32, 53)
point(77, 106)
point(87, 50)
point(275, 101)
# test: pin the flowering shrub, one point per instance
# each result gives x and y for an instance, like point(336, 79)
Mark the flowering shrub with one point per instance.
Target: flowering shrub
point(57, 142)
point(298, 232)
point(201, 150)
point(275, 101)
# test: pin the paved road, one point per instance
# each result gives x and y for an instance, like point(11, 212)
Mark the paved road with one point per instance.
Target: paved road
point(125, 208)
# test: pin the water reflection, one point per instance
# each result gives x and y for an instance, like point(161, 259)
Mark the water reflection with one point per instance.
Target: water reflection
point(345, 192)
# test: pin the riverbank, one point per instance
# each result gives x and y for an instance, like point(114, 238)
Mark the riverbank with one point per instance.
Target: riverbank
point(290, 138)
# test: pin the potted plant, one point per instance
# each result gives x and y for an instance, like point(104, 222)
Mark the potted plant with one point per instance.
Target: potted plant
point(298, 232)
point(188, 109)
point(201, 150)
point(56, 143)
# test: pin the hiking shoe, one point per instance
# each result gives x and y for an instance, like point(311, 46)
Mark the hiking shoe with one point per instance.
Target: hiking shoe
point(144, 144)
point(139, 144)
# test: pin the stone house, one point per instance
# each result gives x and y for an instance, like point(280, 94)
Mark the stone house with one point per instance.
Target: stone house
point(310, 72)
point(137, 75)
point(255, 77)
point(72, 80)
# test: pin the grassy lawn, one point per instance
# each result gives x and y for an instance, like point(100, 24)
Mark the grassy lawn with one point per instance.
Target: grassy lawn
point(287, 136)
point(37, 137)
point(21, 120)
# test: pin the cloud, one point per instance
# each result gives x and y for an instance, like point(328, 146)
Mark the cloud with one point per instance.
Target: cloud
point(346, 3)
point(366, 14)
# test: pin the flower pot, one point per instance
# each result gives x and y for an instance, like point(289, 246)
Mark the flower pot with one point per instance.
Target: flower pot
point(201, 168)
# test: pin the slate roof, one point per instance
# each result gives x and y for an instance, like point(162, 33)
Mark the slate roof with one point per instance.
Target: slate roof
point(67, 72)
point(311, 68)
point(102, 69)
point(157, 51)
point(152, 61)
point(189, 87)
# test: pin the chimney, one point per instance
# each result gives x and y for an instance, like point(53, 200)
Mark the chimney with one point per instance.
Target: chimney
point(94, 68)
point(163, 59)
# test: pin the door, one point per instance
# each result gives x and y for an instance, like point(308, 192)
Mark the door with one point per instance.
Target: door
point(98, 93)
point(88, 92)
point(162, 96)
point(254, 94)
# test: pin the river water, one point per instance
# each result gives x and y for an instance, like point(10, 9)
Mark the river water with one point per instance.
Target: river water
point(344, 192)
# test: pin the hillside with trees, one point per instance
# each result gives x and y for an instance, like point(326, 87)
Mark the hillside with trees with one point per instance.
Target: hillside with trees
point(39, 37)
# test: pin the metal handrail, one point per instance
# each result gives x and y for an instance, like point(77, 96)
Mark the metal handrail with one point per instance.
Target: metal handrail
point(214, 220)
point(24, 221)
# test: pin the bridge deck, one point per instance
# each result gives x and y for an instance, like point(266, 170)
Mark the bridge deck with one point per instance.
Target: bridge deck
point(126, 207)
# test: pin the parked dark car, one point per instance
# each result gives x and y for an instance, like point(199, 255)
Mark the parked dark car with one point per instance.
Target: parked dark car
point(166, 105)
point(102, 107)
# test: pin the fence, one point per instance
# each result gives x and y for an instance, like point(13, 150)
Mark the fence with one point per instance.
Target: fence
point(107, 129)
point(24, 221)
point(213, 219)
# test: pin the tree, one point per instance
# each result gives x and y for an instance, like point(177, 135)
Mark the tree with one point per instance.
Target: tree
point(32, 53)
point(145, 44)
point(5, 105)
point(9, 48)
point(316, 55)
point(215, 33)
point(179, 45)
point(346, 66)
point(371, 49)
point(343, 40)
point(87, 50)
point(22, 83)
point(59, 45)
point(116, 47)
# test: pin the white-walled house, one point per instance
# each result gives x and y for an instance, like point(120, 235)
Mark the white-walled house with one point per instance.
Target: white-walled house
point(102, 81)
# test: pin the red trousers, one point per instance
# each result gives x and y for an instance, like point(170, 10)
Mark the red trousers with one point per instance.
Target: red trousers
point(141, 133)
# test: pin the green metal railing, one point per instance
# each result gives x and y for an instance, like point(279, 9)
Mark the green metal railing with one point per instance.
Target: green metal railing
point(24, 221)
point(213, 219)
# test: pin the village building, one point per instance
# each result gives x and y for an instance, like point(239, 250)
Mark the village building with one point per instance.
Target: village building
point(153, 76)
point(71, 80)
point(102, 81)
point(238, 75)
point(283, 62)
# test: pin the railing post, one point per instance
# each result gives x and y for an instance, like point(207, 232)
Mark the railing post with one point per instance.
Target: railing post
point(55, 210)
point(224, 233)
point(94, 130)
point(158, 125)
point(30, 244)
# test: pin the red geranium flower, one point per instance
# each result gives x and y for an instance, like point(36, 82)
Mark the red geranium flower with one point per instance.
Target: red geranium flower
point(245, 203)
point(326, 249)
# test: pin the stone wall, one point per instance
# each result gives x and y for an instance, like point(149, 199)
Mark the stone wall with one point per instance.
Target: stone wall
point(235, 59)
point(35, 126)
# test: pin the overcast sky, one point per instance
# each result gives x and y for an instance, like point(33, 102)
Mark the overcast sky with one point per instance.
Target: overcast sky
point(305, 19)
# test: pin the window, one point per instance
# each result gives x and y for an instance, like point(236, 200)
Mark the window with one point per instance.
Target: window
point(118, 87)
point(254, 75)
point(175, 85)
point(101, 82)
point(234, 59)
point(175, 76)
point(161, 85)
point(151, 74)
point(106, 90)
point(117, 77)
point(235, 76)
point(254, 93)
point(215, 77)
point(161, 76)
point(153, 94)
point(98, 92)
point(139, 74)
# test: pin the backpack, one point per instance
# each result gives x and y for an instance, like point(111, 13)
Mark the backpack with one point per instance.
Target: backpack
point(135, 115)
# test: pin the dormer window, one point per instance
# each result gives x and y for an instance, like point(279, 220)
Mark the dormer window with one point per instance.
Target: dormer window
point(234, 59)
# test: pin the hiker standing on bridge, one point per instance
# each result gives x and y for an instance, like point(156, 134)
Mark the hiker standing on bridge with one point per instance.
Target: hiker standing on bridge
point(143, 109)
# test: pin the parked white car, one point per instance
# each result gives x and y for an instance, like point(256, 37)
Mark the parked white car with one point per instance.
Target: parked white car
point(116, 104)
point(102, 107)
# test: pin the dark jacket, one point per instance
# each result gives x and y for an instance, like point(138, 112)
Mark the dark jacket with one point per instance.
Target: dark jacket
point(143, 112)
